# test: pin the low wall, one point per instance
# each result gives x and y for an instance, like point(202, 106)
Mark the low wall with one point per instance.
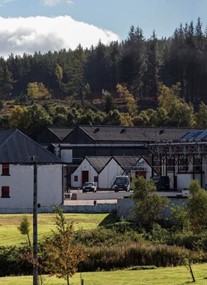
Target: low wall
point(98, 208)
point(125, 207)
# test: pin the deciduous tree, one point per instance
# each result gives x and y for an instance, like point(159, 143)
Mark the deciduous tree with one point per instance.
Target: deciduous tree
point(25, 228)
point(197, 207)
point(37, 90)
point(149, 205)
point(128, 99)
point(63, 255)
point(18, 118)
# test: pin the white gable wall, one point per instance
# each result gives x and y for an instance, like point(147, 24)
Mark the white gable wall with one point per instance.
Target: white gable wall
point(50, 184)
point(108, 174)
point(20, 182)
point(84, 166)
point(142, 165)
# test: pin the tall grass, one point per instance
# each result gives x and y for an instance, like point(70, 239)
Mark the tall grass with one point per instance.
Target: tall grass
point(135, 253)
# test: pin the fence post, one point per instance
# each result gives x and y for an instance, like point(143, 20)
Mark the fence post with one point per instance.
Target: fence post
point(82, 280)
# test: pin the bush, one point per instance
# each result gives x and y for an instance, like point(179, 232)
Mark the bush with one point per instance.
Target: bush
point(112, 235)
point(188, 240)
point(12, 261)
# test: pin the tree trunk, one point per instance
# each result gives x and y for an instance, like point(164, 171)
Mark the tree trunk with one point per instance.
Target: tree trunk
point(29, 241)
point(68, 281)
point(191, 271)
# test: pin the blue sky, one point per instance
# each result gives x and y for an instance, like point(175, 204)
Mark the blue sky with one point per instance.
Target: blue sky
point(65, 23)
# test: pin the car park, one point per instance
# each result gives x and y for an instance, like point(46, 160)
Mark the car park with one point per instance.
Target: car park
point(89, 187)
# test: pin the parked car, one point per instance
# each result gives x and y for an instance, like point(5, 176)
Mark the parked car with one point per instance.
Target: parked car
point(162, 183)
point(89, 187)
point(121, 183)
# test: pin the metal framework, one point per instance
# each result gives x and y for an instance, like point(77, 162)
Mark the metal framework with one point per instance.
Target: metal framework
point(177, 157)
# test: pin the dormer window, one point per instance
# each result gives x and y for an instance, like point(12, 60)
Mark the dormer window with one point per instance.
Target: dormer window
point(5, 169)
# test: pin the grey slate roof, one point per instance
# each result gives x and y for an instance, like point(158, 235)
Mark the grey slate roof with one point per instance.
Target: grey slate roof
point(61, 133)
point(132, 134)
point(127, 162)
point(98, 162)
point(16, 147)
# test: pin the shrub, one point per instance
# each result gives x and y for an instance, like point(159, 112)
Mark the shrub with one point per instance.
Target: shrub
point(107, 236)
point(12, 261)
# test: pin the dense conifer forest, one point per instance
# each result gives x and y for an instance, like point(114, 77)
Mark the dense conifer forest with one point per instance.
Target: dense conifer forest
point(137, 82)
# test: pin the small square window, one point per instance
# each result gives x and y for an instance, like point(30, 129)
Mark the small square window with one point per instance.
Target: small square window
point(76, 178)
point(95, 179)
point(5, 169)
point(5, 192)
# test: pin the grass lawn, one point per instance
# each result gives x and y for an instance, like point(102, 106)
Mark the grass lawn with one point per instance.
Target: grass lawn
point(161, 276)
point(10, 235)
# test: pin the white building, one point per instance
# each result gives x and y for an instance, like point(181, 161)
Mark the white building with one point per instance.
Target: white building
point(17, 173)
point(103, 170)
point(88, 170)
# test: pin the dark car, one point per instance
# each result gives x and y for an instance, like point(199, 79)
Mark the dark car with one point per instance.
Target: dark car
point(121, 183)
point(162, 183)
point(89, 187)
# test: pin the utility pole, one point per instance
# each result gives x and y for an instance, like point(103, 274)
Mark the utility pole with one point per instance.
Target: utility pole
point(35, 233)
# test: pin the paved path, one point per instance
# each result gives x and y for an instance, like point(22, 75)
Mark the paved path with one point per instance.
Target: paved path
point(69, 202)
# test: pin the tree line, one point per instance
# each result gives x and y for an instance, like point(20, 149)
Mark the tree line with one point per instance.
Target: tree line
point(122, 83)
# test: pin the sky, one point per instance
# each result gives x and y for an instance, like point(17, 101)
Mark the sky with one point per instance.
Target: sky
point(28, 26)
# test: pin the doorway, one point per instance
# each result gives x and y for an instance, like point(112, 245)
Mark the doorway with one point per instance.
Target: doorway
point(84, 177)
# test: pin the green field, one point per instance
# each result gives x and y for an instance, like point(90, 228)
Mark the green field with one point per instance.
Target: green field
point(9, 234)
point(160, 276)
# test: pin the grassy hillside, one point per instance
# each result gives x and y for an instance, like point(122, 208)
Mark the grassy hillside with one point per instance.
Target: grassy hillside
point(9, 234)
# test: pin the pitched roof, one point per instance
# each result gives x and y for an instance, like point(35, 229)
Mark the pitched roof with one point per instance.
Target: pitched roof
point(52, 135)
point(132, 134)
point(194, 135)
point(98, 162)
point(127, 162)
point(16, 147)
point(60, 133)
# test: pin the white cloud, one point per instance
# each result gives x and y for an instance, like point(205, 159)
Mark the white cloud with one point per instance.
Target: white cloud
point(34, 34)
point(56, 2)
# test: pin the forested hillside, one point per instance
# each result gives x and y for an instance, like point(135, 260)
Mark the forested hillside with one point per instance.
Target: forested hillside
point(140, 82)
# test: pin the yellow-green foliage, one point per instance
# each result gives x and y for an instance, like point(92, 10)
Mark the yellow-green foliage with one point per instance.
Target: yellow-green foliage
point(37, 90)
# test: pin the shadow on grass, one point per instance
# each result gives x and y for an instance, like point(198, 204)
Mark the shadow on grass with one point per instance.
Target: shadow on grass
point(110, 219)
point(187, 282)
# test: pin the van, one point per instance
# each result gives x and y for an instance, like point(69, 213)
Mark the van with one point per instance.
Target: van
point(162, 183)
point(121, 183)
